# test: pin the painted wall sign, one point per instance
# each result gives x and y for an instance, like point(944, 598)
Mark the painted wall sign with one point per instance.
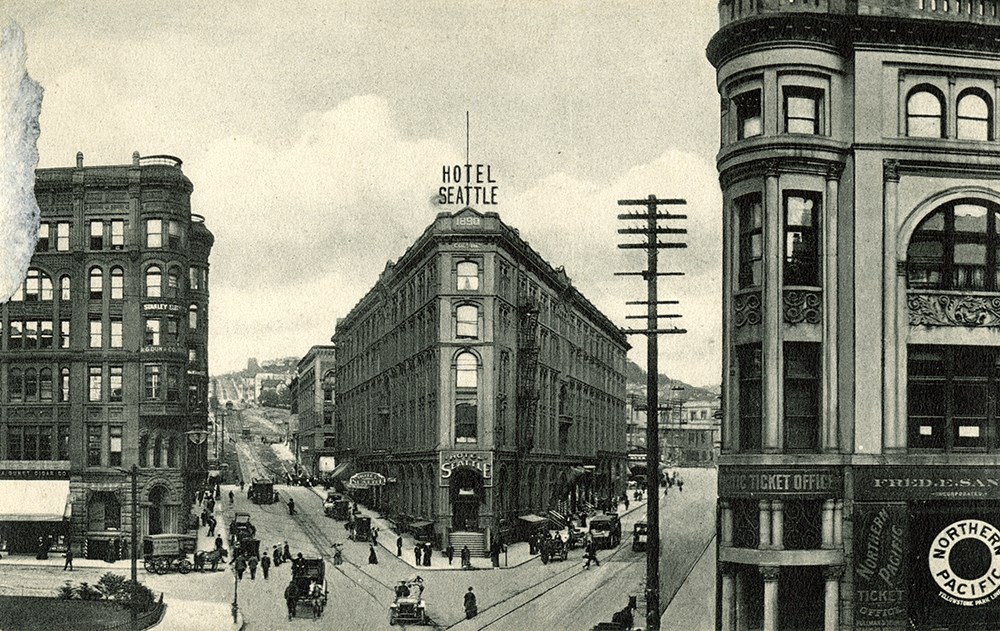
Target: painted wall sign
point(161, 306)
point(899, 483)
point(34, 474)
point(467, 184)
point(880, 567)
point(760, 481)
point(366, 479)
point(481, 461)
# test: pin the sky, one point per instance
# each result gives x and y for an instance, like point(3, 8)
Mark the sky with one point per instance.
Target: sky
point(315, 135)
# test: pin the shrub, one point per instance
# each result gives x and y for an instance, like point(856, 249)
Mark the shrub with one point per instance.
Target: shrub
point(112, 586)
point(66, 591)
point(144, 597)
point(86, 591)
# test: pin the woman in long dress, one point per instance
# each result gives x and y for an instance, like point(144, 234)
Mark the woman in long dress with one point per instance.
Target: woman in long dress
point(372, 557)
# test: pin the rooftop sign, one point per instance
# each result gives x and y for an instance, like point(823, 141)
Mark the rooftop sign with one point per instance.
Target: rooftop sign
point(468, 184)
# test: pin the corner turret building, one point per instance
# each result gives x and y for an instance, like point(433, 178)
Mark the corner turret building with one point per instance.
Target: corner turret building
point(104, 361)
point(859, 481)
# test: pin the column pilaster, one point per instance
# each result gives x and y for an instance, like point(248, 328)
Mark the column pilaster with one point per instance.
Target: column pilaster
point(827, 524)
point(831, 598)
point(765, 525)
point(831, 433)
point(772, 310)
point(770, 574)
point(891, 431)
point(728, 597)
point(726, 525)
point(777, 525)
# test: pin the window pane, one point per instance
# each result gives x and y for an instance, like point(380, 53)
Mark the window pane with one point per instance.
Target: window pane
point(973, 129)
point(924, 127)
point(973, 106)
point(466, 375)
point(924, 104)
point(801, 107)
point(970, 218)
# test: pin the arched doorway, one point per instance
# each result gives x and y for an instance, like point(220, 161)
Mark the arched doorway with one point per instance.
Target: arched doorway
point(157, 509)
point(466, 497)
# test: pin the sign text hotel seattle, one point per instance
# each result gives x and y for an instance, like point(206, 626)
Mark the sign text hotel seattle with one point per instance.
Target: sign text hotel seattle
point(467, 185)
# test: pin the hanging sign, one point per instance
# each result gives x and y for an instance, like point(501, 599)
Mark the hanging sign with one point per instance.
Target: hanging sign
point(365, 480)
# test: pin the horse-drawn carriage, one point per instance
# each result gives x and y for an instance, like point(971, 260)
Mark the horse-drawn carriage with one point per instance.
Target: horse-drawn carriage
point(409, 606)
point(262, 492)
point(241, 537)
point(554, 549)
point(361, 528)
point(165, 553)
point(309, 576)
point(337, 506)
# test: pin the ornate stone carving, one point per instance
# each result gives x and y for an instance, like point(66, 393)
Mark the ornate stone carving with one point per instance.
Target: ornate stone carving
point(769, 572)
point(771, 168)
point(747, 310)
point(953, 310)
point(890, 170)
point(834, 171)
point(802, 306)
point(833, 572)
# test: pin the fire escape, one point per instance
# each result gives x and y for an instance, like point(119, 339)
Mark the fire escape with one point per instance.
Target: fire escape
point(527, 387)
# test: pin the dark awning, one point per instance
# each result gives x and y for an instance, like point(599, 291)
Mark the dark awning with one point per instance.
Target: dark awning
point(533, 519)
point(342, 471)
point(420, 525)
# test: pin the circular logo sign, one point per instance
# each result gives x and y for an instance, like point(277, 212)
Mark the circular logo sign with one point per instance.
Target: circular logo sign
point(964, 560)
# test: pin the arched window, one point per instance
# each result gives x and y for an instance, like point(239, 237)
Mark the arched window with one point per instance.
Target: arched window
point(466, 399)
point(955, 247)
point(974, 116)
point(37, 285)
point(64, 289)
point(154, 277)
point(45, 384)
point(30, 385)
point(193, 317)
point(173, 282)
point(925, 113)
point(158, 452)
point(96, 283)
point(467, 321)
point(117, 283)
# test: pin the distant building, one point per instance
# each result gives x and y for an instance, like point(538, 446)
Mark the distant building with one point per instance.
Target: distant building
point(104, 360)
point(313, 401)
point(481, 384)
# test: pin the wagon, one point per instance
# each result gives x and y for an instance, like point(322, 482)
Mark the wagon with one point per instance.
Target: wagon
point(305, 573)
point(639, 534)
point(606, 530)
point(262, 492)
point(554, 550)
point(165, 553)
point(362, 528)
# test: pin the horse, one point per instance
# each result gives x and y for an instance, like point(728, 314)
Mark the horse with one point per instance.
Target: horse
point(212, 556)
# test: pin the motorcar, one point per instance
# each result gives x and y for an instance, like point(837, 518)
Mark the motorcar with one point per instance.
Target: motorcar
point(639, 534)
point(606, 530)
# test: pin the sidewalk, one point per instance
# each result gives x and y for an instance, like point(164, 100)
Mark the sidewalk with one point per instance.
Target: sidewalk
point(517, 553)
point(693, 606)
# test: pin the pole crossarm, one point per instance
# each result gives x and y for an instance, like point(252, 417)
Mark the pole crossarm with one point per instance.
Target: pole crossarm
point(653, 200)
point(655, 215)
point(645, 274)
point(649, 246)
point(645, 317)
point(646, 302)
point(653, 231)
point(654, 331)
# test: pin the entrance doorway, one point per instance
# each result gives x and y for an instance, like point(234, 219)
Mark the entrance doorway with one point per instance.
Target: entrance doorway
point(466, 497)
point(157, 498)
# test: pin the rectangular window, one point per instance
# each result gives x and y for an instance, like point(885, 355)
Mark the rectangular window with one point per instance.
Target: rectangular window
point(327, 417)
point(117, 234)
point(173, 383)
point(64, 385)
point(15, 443)
point(115, 451)
point(154, 233)
point(750, 399)
point(44, 443)
point(467, 321)
point(802, 396)
point(172, 334)
point(174, 228)
point(94, 445)
point(62, 438)
point(31, 442)
point(803, 107)
point(750, 214)
point(96, 334)
point(192, 355)
point(115, 381)
point(152, 379)
point(96, 235)
point(64, 334)
point(117, 328)
point(194, 279)
point(15, 335)
point(45, 334)
point(466, 421)
point(43, 238)
point(802, 238)
point(152, 337)
point(31, 334)
point(748, 114)
point(62, 236)
point(467, 276)
point(194, 396)
point(95, 383)
point(45, 384)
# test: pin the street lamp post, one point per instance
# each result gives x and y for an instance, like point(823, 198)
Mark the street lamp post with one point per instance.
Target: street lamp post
point(236, 595)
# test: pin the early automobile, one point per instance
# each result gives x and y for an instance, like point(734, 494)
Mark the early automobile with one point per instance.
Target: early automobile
point(553, 549)
point(639, 533)
point(409, 606)
point(362, 528)
point(242, 537)
point(165, 553)
point(262, 492)
point(606, 530)
point(337, 506)
point(310, 579)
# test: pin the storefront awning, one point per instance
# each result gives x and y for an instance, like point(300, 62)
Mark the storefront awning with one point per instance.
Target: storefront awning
point(342, 471)
point(533, 519)
point(420, 525)
point(34, 500)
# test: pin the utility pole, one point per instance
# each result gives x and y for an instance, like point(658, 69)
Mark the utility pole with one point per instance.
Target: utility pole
point(652, 245)
point(134, 609)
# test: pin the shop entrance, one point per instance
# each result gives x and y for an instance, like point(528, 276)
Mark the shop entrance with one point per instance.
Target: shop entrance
point(466, 497)
point(157, 498)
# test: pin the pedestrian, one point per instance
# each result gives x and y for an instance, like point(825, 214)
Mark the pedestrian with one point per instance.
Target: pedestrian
point(372, 557)
point(241, 485)
point(591, 555)
point(231, 498)
point(276, 554)
point(495, 553)
point(338, 554)
point(470, 604)
point(286, 554)
point(252, 564)
point(298, 565)
point(291, 595)
point(197, 497)
point(450, 551)
point(680, 485)
point(212, 523)
point(265, 564)
point(399, 546)
point(218, 542)
point(428, 550)
point(69, 558)
point(204, 517)
point(240, 565)
point(210, 505)
point(291, 506)
point(374, 533)
point(416, 553)
point(466, 558)
point(626, 501)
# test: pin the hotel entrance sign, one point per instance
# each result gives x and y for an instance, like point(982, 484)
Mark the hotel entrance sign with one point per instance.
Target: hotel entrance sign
point(467, 185)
